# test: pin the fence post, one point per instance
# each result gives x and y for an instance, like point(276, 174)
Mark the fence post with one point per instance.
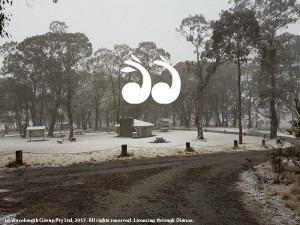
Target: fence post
point(235, 143)
point(123, 150)
point(19, 158)
point(187, 146)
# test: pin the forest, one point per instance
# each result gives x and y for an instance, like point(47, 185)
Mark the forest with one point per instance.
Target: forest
point(245, 69)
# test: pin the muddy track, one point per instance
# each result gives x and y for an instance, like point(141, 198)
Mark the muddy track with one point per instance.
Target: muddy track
point(198, 187)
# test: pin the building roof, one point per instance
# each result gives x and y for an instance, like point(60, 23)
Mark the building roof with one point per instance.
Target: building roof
point(36, 128)
point(139, 123)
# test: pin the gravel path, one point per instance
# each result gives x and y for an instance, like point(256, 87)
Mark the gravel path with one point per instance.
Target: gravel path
point(198, 188)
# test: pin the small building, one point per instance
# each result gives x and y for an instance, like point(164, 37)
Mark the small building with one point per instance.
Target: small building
point(36, 131)
point(130, 127)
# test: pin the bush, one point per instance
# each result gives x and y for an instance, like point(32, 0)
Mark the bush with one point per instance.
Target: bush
point(279, 159)
point(13, 164)
point(190, 149)
point(127, 155)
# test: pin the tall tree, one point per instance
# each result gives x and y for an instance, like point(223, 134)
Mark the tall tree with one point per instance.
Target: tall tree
point(196, 30)
point(75, 48)
point(272, 15)
point(236, 32)
point(184, 104)
point(104, 62)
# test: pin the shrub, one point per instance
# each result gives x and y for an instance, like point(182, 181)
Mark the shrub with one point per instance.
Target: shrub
point(277, 162)
point(190, 149)
point(13, 164)
point(279, 159)
point(127, 155)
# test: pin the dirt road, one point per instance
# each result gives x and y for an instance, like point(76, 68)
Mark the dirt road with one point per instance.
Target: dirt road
point(193, 189)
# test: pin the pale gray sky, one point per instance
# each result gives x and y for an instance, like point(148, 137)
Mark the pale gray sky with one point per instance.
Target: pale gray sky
point(110, 22)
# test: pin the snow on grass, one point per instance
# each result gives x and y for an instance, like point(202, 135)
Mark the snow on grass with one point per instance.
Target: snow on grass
point(260, 197)
point(6, 219)
point(95, 147)
point(281, 133)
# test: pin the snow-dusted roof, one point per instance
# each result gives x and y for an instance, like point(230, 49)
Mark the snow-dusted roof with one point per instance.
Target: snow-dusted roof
point(139, 123)
point(36, 128)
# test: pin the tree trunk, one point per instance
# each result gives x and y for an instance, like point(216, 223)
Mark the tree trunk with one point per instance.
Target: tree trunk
point(19, 120)
point(115, 101)
point(199, 115)
point(42, 109)
point(240, 102)
point(83, 119)
point(107, 118)
point(6, 128)
point(96, 117)
point(70, 112)
point(187, 122)
point(33, 115)
point(100, 120)
point(26, 122)
point(272, 73)
point(53, 120)
point(274, 120)
point(174, 118)
point(249, 113)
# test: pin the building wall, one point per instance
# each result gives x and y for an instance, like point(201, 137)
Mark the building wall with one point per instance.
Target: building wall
point(126, 127)
point(144, 132)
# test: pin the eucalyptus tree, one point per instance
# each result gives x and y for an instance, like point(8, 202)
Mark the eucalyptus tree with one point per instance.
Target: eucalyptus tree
point(11, 91)
point(272, 15)
point(8, 102)
point(147, 53)
point(22, 67)
point(106, 62)
point(197, 30)
point(89, 95)
point(184, 106)
point(221, 97)
point(236, 32)
point(289, 70)
point(75, 48)
point(250, 83)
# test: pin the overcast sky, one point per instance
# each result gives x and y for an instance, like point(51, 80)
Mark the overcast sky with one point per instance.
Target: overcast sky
point(110, 22)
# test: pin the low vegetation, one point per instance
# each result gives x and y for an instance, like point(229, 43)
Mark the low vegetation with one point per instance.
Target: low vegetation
point(284, 162)
point(286, 183)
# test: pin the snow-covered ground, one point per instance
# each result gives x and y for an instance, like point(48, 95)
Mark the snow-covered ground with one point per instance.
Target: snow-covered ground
point(282, 133)
point(107, 146)
point(269, 208)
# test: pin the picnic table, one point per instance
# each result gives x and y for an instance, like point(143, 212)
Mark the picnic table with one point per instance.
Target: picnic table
point(164, 129)
point(159, 140)
point(60, 135)
point(78, 132)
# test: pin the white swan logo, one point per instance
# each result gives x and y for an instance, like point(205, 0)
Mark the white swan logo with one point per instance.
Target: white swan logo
point(162, 93)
